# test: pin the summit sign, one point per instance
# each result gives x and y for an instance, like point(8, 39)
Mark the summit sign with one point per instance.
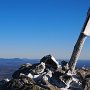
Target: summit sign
point(87, 29)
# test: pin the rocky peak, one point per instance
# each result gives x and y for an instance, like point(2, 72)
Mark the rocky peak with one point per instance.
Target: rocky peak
point(48, 74)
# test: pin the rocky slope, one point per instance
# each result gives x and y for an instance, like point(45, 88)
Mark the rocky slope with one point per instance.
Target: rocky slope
point(47, 75)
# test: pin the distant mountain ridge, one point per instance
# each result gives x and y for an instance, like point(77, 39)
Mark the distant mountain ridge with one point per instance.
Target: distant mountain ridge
point(8, 66)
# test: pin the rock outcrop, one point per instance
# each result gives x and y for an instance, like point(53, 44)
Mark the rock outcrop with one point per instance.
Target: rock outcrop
point(47, 75)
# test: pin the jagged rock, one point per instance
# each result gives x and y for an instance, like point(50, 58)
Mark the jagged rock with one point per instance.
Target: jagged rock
point(47, 75)
point(39, 68)
point(83, 72)
point(27, 65)
point(6, 80)
point(29, 70)
point(53, 87)
point(25, 68)
point(36, 87)
point(65, 65)
point(23, 84)
point(86, 83)
point(66, 79)
point(50, 61)
point(75, 88)
point(3, 84)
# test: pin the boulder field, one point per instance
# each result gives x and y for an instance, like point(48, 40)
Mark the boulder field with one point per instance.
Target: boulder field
point(48, 74)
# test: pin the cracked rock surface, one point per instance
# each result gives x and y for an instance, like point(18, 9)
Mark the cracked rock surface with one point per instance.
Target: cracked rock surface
point(47, 75)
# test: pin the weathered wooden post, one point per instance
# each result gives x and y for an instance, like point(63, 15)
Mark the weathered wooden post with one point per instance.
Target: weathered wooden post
point(79, 44)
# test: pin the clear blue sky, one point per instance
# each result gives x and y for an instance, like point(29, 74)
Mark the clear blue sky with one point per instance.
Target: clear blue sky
point(34, 28)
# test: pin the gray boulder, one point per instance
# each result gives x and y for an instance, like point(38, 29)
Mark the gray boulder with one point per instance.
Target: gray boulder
point(50, 61)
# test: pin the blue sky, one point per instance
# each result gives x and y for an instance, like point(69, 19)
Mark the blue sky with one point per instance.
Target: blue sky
point(34, 28)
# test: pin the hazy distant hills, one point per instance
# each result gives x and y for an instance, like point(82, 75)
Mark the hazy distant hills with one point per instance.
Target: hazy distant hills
point(8, 66)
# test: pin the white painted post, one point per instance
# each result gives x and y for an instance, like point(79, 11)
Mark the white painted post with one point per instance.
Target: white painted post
point(80, 42)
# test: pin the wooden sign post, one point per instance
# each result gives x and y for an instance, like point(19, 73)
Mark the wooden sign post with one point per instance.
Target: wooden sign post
point(80, 42)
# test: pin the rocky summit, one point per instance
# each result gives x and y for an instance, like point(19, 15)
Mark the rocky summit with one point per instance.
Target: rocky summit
point(47, 75)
